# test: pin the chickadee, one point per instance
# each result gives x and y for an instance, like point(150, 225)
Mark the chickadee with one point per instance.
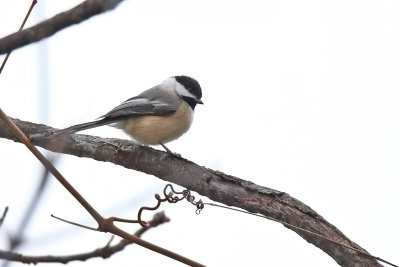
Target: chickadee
point(156, 116)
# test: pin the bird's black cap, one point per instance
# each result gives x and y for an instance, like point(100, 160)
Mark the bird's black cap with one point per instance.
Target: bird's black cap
point(190, 84)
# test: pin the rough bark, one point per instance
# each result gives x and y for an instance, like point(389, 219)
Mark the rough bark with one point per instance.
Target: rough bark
point(215, 185)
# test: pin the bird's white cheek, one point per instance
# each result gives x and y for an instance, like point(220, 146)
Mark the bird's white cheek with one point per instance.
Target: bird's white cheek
point(181, 90)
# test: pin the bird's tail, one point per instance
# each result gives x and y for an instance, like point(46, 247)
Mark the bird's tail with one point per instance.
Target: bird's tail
point(81, 127)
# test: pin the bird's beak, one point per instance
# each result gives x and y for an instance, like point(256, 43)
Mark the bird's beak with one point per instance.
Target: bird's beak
point(198, 101)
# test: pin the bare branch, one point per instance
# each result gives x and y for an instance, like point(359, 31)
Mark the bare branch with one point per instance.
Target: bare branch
point(216, 185)
point(20, 29)
point(105, 225)
point(60, 21)
point(104, 252)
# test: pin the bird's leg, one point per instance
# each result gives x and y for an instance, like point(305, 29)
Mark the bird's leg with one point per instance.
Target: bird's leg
point(169, 151)
point(166, 148)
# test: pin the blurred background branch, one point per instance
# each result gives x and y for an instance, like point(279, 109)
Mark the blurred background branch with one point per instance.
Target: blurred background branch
point(47, 28)
point(3, 217)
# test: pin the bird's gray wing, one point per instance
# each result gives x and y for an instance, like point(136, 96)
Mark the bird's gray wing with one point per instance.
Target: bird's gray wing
point(151, 102)
point(154, 101)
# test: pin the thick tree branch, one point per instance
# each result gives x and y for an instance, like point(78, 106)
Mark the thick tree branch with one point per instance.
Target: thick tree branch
point(216, 185)
point(104, 224)
point(60, 21)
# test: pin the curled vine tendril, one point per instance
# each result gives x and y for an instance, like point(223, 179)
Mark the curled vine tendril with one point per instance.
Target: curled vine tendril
point(171, 196)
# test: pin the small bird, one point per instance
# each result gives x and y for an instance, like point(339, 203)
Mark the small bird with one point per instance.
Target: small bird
point(156, 116)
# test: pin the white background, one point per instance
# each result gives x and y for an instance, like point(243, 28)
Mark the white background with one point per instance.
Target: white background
point(300, 96)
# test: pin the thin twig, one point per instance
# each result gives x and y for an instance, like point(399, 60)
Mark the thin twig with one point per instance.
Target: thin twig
point(3, 217)
point(23, 139)
point(74, 223)
point(20, 29)
point(104, 224)
point(16, 240)
point(303, 230)
point(104, 252)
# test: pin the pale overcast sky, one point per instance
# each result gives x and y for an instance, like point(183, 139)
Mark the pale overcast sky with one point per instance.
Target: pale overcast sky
point(300, 96)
